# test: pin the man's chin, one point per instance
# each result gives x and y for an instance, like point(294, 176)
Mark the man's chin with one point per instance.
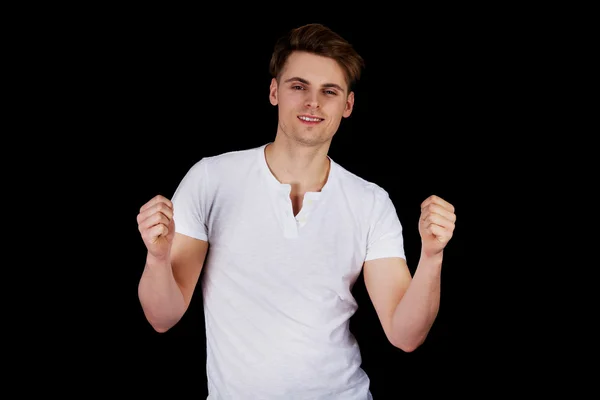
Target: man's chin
point(311, 140)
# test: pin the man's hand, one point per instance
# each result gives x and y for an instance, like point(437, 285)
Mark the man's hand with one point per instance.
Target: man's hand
point(156, 226)
point(436, 225)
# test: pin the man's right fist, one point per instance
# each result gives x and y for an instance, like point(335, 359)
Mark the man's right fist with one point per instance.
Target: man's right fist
point(156, 225)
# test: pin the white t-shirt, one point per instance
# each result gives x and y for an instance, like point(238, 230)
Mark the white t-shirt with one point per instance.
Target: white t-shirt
point(277, 287)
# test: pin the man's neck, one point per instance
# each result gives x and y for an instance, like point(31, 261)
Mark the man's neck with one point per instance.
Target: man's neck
point(306, 168)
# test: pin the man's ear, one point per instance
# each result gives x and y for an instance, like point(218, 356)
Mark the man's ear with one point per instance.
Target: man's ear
point(273, 92)
point(349, 105)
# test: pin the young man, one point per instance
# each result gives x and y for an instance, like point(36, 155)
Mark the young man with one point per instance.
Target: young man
point(289, 232)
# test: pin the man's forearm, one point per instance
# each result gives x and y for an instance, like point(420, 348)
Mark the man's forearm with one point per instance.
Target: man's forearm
point(160, 296)
point(419, 306)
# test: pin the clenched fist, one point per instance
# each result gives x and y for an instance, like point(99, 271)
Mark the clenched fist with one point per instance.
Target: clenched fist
point(156, 225)
point(436, 224)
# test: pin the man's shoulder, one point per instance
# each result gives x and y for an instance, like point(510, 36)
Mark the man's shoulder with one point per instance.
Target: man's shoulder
point(222, 165)
point(226, 163)
point(358, 185)
point(367, 199)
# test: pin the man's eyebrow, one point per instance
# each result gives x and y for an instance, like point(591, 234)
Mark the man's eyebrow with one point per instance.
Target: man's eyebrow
point(326, 85)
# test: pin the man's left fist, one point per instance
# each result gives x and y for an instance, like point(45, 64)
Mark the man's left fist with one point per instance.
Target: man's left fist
point(436, 224)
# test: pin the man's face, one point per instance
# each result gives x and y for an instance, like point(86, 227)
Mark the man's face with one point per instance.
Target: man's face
point(312, 96)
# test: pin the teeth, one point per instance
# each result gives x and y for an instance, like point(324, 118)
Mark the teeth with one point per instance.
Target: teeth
point(310, 119)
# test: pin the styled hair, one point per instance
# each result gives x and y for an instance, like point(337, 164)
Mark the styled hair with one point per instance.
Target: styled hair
point(320, 40)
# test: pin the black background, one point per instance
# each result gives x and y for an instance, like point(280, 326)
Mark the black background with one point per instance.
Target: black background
point(433, 112)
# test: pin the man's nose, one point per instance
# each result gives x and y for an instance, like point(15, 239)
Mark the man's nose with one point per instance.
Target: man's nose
point(312, 100)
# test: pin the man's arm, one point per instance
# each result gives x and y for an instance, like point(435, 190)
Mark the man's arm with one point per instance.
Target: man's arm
point(167, 285)
point(407, 306)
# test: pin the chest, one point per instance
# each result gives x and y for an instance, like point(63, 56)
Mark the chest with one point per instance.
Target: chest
point(317, 237)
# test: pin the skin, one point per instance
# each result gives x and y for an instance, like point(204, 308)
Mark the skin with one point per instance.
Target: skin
point(312, 86)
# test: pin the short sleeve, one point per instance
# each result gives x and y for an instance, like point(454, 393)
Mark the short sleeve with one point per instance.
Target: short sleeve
point(189, 203)
point(385, 230)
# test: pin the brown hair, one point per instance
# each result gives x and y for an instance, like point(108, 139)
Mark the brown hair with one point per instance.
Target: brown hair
point(320, 40)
